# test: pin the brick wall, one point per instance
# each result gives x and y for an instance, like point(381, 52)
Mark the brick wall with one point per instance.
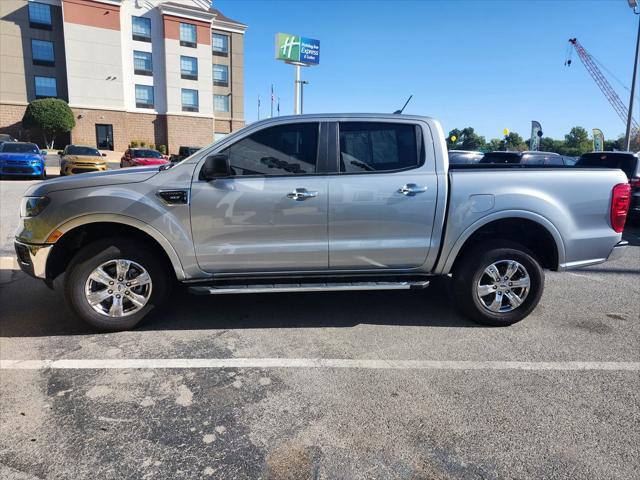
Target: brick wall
point(127, 126)
point(188, 131)
point(226, 126)
point(11, 120)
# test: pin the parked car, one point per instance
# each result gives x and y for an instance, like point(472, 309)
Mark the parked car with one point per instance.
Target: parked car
point(183, 152)
point(627, 162)
point(4, 137)
point(22, 159)
point(464, 157)
point(319, 203)
point(80, 159)
point(525, 158)
point(142, 157)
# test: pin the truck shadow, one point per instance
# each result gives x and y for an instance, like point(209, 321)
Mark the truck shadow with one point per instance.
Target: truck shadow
point(29, 309)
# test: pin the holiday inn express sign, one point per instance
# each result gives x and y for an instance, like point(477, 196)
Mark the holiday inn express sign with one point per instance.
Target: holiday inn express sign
point(296, 49)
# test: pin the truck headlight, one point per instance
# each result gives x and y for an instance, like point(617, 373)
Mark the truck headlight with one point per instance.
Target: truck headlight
point(32, 206)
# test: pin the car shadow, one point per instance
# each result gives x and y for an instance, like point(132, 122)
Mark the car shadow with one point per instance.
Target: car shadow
point(632, 232)
point(47, 316)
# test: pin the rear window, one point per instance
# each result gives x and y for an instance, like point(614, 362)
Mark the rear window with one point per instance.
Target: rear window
point(501, 157)
point(145, 154)
point(624, 161)
point(19, 148)
point(86, 151)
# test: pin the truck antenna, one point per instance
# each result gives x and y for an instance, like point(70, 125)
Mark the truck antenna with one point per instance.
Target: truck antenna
point(398, 112)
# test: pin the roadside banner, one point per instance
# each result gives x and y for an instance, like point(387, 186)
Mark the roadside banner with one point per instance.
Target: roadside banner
point(598, 140)
point(536, 134)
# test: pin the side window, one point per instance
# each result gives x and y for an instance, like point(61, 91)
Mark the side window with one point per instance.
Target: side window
point(554, 160)
point(374, 147)
point(282, 150)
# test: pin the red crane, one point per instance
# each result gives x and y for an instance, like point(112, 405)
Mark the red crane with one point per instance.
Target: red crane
point(604, 85)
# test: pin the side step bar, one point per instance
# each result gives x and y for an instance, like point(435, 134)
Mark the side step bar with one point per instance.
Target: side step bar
point(307, 287)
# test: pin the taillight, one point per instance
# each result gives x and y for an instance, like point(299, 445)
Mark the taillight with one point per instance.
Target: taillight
point(621, 197)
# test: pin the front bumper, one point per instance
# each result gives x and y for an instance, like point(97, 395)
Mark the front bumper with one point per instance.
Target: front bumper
point(618, 250)
point(75, 168)
point(33, 258)
point(21, 169)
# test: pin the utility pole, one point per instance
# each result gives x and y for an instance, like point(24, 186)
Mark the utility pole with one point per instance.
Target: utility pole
point(296, 91)
point(634, 5)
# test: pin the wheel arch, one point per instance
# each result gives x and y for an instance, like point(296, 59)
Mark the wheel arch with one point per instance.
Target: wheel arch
point(531, 229)
point(80, 230)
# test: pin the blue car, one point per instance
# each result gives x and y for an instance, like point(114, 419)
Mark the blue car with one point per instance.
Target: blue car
point(22, 159)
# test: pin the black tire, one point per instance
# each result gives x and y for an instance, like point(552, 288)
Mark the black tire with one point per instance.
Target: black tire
point(43, 175)
point(97, 253)
point(470, 270)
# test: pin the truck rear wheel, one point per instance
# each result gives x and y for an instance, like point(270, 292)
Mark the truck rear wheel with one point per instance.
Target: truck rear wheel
point(498, 284)
point(112, 284)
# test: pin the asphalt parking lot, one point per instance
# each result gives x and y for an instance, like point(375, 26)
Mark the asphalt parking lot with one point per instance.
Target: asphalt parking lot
point(394, 385)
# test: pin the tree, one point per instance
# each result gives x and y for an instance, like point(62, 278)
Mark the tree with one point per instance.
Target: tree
point(577, 142)
point(51, 115)
point(513, 141)
point(466, 139)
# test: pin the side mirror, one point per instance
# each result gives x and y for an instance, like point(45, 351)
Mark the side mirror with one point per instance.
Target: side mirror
point(104, 154)
point(215, 166)
point(43, 153)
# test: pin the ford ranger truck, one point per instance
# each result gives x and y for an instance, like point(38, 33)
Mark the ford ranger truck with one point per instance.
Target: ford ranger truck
point(316, 203)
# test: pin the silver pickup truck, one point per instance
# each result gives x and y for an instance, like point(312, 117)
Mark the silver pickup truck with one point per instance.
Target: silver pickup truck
point(318, 203)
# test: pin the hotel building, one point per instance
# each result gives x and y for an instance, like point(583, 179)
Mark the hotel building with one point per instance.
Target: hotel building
point(163, 72)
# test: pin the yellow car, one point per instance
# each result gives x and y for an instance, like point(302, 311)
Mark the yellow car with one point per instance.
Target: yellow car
point(78, 159)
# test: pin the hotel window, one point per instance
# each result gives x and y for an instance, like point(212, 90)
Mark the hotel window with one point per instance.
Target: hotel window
point(144, 96)
point(189, 100)
point(220, 44)
point(46, 87)
point(39, 15)
point(142, 29)
point(221, 103)
point(142, 63)
point(221, 75)
point(188, 35)
point(42, 52)
point(189, 68)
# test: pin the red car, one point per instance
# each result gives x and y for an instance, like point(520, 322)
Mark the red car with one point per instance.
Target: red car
point(142, 157)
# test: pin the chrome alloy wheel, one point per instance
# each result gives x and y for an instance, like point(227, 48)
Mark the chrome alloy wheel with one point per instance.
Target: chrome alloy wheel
point(503, 286)
point(118, 288)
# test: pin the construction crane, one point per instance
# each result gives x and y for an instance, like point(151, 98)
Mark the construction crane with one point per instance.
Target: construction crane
point(610, 94)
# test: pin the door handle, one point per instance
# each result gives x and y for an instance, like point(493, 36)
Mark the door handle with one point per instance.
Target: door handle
point(411, 189)
point(300, 194)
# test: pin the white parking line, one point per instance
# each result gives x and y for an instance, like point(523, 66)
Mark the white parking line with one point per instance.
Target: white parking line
point(193, 363)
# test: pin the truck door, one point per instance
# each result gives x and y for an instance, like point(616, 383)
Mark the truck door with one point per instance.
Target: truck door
point(271, 214)
point(382, 196)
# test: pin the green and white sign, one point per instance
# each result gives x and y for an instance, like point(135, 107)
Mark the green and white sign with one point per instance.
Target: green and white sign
point(296, 49)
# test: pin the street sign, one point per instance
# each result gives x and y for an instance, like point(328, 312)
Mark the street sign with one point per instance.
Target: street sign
point(296, 49)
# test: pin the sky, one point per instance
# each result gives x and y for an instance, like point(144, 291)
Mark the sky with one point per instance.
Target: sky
point(488, 64)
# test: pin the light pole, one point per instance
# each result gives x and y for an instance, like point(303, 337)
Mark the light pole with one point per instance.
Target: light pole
point(634, 5)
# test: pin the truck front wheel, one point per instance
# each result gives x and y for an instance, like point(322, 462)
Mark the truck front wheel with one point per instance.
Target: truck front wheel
point(112, 284)
point(498, 283)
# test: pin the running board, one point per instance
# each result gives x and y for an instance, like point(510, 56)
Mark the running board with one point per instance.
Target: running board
point(307, 287)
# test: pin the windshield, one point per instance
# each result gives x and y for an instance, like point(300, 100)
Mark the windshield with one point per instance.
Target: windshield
point(86, 151)
point(138, 153)
point(19, 148)
point(626, 162)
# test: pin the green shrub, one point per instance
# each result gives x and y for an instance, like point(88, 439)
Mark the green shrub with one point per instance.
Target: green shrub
point(152, 146)
point(51, 115)
point(133, 143)
point(162, 149)
point(143, 143)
